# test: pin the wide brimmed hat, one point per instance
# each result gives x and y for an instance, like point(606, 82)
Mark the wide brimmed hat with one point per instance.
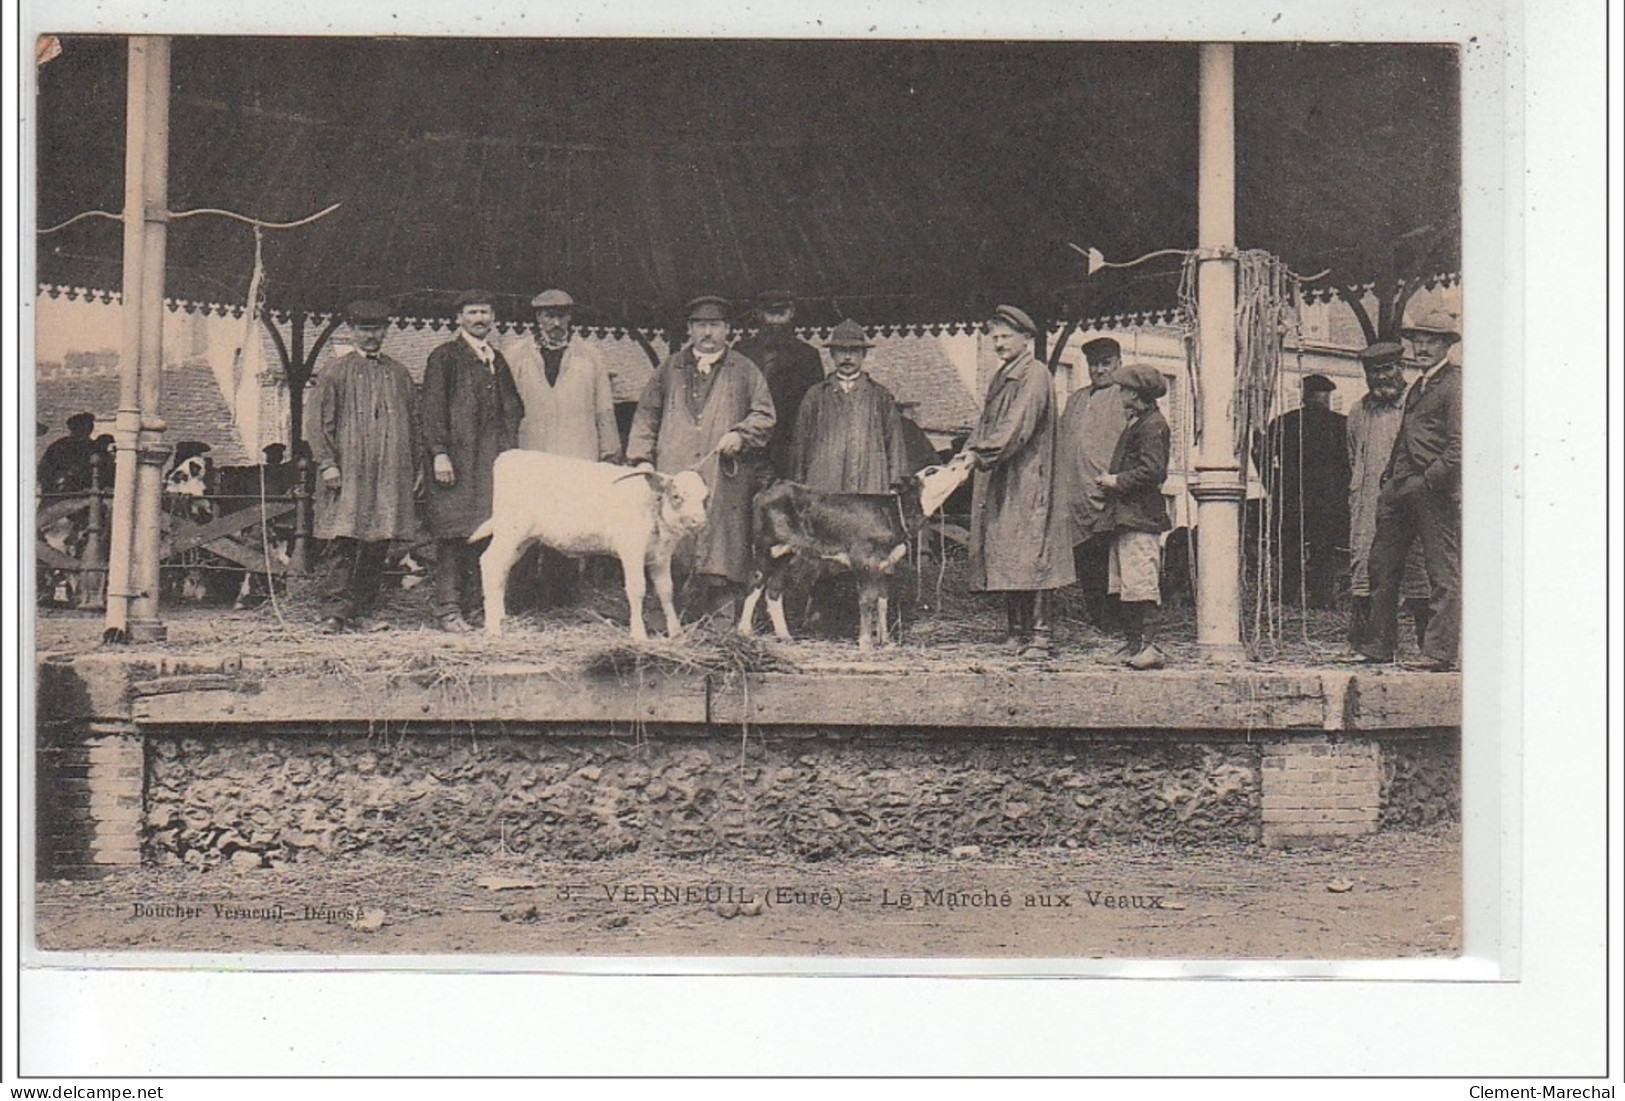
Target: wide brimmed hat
point(1015, 318)
point(1318, 384)
point(848, 334)
point(1434, 323)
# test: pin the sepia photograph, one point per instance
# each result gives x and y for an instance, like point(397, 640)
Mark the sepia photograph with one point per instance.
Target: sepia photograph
point(710, 498)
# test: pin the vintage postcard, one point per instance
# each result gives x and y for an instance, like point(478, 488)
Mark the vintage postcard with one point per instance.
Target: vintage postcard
point(662, 498)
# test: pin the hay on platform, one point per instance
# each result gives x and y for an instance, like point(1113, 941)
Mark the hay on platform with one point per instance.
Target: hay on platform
point(702, 652)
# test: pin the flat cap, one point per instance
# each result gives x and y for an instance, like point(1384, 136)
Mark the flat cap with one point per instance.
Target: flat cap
point(1318, 384)
point(1382, 353)
point(776, 298)
point(553, 299)
point(1015, 318)
point(1101, 348)
point(1146, 381)
point(367, 311)
point(708, 307)
point(848, 334)
point(1435, 322)
point(474, 297)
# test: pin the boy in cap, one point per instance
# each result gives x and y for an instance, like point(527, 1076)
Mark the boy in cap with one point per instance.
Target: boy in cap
point(1136, 512)
point(706, 408)
point(1090, 429)
point(471, 414)
point(363, 445)
point(1018, 542)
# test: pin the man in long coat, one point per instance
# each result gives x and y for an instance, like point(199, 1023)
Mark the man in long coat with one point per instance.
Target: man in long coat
point(1373, 425)
point(1018, 540)
point(1089, 430)
point(848, 434)
point(706, 408)
point(569, 410)
point(1421, 498)
point(1307, 475)
point(364, 448)
point(471, 414)
point(791, 367)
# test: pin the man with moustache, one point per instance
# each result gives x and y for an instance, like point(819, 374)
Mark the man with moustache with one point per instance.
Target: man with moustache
point(1018, 540)
point(471, 414)
point(1421, 499)
point(1089, 430)
point(363, 444)
point(707, 408)
point(848, 434)
point(1373, 424)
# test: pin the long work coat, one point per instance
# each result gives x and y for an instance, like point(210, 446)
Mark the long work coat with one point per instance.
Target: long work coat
point(1018, 538)
point(791, 367)
point(574, 415)
point(1089, 429)
point(472, 414)
point(1372, 428)
point(848, 442)
point(363, 425)
point(680, 418)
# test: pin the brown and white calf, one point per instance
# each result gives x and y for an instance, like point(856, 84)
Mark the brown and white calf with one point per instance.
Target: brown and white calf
point(579, 507)
point(868, 533)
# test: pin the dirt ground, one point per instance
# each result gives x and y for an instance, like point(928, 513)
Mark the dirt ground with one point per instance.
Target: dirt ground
point(1389, 895)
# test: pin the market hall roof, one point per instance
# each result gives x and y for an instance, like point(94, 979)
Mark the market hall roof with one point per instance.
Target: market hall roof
point(895, 182)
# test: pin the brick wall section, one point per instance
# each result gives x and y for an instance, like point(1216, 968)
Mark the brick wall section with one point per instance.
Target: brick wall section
point(1316, 789)
point(91, 794)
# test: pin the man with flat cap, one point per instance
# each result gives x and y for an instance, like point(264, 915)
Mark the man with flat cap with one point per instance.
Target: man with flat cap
point(1373, 425)
point(849, 434)
point(1307, 475)
point(1018, 541)
point(707, 408)
point(1137, 512)
point(1421, 499)
point(1090, 427)
point(565, 385)
point(363, 444)
point(791, 367)
point(471, 414)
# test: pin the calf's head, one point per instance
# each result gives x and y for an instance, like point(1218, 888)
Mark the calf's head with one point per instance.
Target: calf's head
point(937, 484)
point(682, 501)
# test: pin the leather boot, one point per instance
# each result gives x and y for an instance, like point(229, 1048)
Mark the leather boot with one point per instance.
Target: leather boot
point(1038, 643)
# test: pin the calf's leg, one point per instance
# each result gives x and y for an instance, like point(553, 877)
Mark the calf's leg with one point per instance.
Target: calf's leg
point(495, 563)
point(632, 569)
point(660, 570)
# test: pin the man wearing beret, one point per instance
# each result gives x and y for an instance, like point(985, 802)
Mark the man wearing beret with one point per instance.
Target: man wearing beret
point(471, 414)
point(1138, 513)
point(1018, 542)
point(707, 408)
point(363, 445)
point(1421, 499)
point(1307, 474)
point(1373, 425)
point(791, 367)
point(1090, 428)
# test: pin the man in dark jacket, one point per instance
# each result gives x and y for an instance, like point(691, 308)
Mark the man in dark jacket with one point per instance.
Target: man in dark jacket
point(471, 414)
point(1137, 513)
point(1421, 498)
point(791, 367)
point(1307, 472)
point(65, 466)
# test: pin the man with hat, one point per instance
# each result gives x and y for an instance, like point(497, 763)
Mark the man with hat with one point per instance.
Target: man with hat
point(569, 403)
point(1137, 513)
point(65, 466)
point(791, 367)
point(361, 441)
point(849, 434)
point(1373, 424)
point(471, 414)
point(1421, 498)
point(1090, 429)
point(1018, 540)
point(706, 408)
point(569, 410)
point(1306, 473)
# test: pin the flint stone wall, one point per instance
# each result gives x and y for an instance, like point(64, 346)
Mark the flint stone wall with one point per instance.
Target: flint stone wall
point(263, 798)
point(1421, 781)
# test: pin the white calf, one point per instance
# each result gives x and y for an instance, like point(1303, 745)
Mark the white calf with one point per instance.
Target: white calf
point(578, 507)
